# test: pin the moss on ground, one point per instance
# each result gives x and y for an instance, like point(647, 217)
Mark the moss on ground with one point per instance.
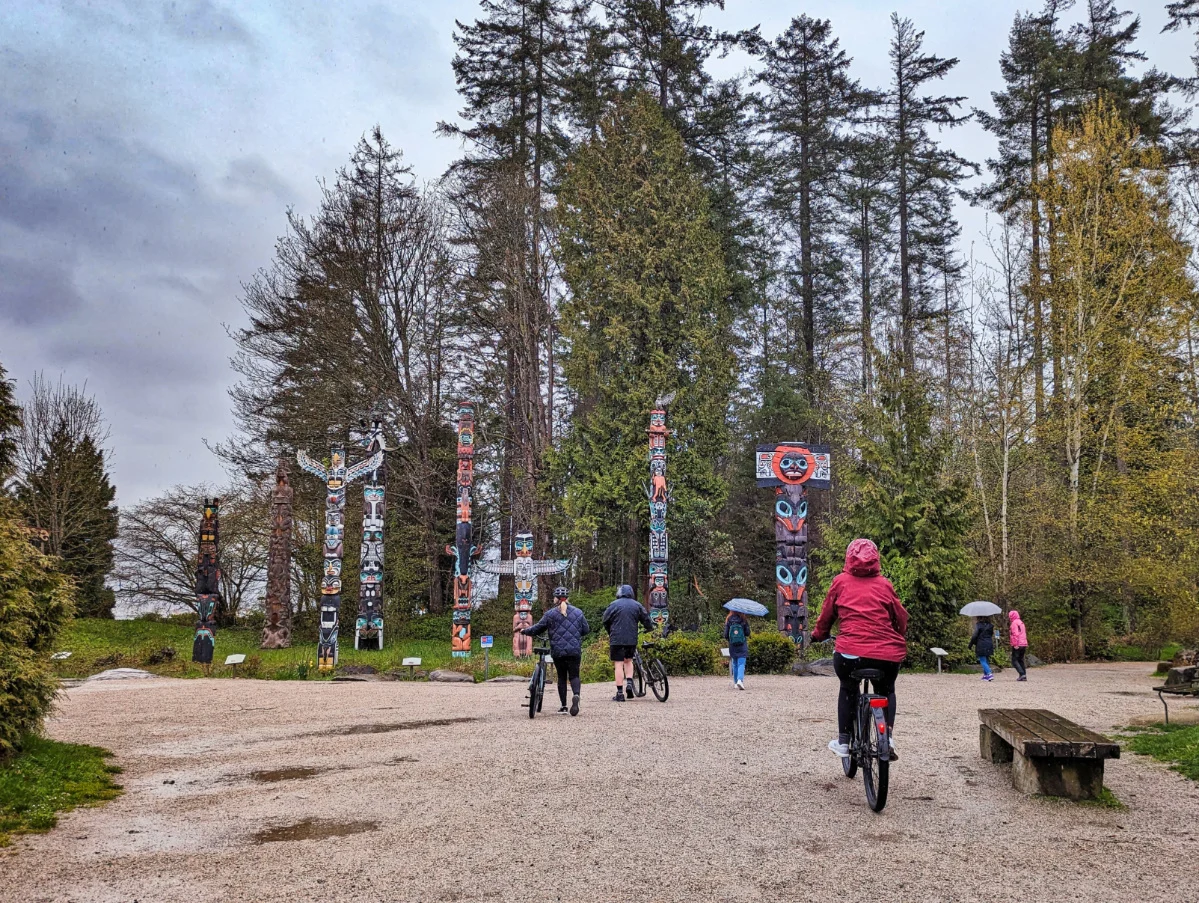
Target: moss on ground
point(47, 777)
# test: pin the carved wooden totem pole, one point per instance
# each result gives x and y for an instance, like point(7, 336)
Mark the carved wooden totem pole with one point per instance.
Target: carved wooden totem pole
point(208, 583)
point(791, 469)
point(368, 631)
point(336, 477)
point(525, 569)
point(276, 633)
point(659, 539)
point(464, 549)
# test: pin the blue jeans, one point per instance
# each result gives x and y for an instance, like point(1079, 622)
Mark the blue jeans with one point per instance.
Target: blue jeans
point(986, 666)
point(737, 668)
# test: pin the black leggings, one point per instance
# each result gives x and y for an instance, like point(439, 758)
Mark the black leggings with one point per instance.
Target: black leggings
point(1018, 659)
point(567, 666)
point(847, 695)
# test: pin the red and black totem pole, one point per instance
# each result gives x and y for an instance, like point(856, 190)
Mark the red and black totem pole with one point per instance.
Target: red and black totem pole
point(792, 468)
point(464, 550)
point(659, 539)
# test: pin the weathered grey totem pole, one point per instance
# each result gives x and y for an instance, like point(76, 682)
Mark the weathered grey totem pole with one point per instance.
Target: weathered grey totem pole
point(791, 469)
point(336, 477)
point(525, 569)
point(208, 583)
point(464, 549)
point(276, 633)
point(368, 631)
point(658, 494)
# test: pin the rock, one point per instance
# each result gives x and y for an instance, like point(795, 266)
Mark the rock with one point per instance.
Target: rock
point(67, 682)
point(1031, 661)
point(813, 669)
point(509, 679)
point(822, 663)
point(451, 676)
point(1182, 676)
point(122, 674)
point(1186, 657)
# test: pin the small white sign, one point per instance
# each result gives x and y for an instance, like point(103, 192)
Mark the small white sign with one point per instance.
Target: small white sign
point(236, 659)
point(59, 656)
point(937, 650)
point(410, 662)
point(486, 642)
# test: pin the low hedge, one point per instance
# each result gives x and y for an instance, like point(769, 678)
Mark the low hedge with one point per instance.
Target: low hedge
point(770, 653)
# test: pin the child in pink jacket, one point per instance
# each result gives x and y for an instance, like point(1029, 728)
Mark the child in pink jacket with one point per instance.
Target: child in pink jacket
point(1018, 637)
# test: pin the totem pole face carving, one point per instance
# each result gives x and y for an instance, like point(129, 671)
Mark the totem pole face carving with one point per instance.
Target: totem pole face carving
point(658, 494)
point(464, 549)
point(276, 634)
point(208, 584)
point(368, 629)
point(792, 468)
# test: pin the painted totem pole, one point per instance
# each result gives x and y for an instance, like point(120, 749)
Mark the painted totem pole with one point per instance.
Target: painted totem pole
point(336, 477)
point(791, 469)
point(208, 583)
point(368, 631)
point(276, 633)
point(659, 539)
point(464, 549)
point(525, 569)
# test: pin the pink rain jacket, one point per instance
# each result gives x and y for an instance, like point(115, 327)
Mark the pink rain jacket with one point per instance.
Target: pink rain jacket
point(1017, 635)
point(873, 620)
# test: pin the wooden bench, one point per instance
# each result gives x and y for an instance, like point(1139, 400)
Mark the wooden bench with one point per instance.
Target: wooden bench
point(1049, 755)
point(1182, 681)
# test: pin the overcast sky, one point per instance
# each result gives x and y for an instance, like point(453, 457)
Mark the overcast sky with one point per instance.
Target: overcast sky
point(149, 151)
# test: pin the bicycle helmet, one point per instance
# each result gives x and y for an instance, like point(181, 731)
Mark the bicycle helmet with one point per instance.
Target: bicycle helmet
point(560, 592)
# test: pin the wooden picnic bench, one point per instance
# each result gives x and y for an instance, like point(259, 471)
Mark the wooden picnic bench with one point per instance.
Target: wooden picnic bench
point(1179, 682)
point(1049, 754)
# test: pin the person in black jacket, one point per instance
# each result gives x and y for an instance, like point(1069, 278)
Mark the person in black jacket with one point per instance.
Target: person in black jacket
point(621, 620)
point(983, 643)
point(567, 626)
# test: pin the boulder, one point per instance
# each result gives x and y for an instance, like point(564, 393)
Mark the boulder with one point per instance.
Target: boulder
point(509, 679)
point(122, 674)
point(1177, 677)
point(1186, 657)
point(1031, 661)
point(451, 676)
point(822, 667)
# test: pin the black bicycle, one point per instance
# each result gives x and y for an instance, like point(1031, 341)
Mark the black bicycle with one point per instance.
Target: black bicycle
point(869, 742)
point(652, 672)
point(537, 681)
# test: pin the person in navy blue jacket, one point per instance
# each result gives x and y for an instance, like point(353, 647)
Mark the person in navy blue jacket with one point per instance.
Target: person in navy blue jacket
point(567, 626)
point(622, 619)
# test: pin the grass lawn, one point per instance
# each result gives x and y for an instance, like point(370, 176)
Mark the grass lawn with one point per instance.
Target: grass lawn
point(1177, 744)
point(46, 778)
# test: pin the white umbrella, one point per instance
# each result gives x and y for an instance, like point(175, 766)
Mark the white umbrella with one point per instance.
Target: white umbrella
point(980, 609)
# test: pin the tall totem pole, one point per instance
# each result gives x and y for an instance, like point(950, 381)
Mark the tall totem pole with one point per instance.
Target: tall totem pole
point(336, 477)
point(658, 494)
point(276, 633)
point(525, 569)
point(368, 631)
point(208, 583)
point(464, 549)
point(791, 469)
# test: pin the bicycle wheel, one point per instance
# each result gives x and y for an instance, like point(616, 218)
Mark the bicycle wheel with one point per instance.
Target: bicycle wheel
point(875, 765)
point(639, 676)
point(533, 697)
point(541, 688)
point(658, 681)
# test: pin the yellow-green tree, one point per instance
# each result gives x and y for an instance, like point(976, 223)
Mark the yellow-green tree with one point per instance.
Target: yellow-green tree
point(1119, 495)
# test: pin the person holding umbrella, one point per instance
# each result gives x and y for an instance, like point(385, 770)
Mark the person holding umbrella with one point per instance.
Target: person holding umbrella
point(982, 641)
point(736, 631)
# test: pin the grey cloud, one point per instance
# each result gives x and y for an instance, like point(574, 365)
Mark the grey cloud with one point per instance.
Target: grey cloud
point(255, 175)
point(202, 20)
point(36, 293)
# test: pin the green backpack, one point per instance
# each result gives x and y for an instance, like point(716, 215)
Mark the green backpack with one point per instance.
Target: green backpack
point(736, 633)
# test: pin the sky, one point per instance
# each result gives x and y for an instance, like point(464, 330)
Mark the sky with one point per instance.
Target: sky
point(149, 152)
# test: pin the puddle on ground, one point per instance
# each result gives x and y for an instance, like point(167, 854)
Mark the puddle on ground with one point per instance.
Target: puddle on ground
point(401, 760)
point(400, 726)
point(285, 774)
point(313, 829)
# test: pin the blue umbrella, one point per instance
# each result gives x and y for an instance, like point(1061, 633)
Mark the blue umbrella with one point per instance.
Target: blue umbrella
point(747, 607)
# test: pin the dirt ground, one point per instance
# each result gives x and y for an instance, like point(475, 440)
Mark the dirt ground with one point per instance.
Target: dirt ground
point(287, 791)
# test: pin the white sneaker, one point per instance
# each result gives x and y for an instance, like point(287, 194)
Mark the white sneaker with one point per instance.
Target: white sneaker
point(740, 685)
point(839, 748)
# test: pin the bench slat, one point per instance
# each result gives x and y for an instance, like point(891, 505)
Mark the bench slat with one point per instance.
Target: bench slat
point(1040, 733)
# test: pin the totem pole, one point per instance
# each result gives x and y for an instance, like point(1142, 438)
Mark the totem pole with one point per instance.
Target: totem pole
point(276, 633)
point(208, 584)
point(368, 631)
point(792, 468)
point(336, 477)
point(525, 569)
point(463, 550)
point(659, 540)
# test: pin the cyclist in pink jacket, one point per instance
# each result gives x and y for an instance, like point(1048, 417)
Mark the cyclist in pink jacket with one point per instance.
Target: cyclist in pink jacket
point(1018, 637)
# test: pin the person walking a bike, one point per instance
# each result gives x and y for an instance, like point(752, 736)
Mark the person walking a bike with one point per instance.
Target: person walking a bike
point(873, 626)
point(567, 626)
point(622, 619)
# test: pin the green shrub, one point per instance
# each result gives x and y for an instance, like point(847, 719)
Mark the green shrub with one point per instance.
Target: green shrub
point(35, 602)
point(770, 653)
point(688, 655)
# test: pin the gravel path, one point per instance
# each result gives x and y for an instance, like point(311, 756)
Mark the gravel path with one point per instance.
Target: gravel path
point(402, 792)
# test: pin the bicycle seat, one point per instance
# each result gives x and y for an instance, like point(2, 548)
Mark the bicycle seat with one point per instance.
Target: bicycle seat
point(870, 674)
point(541, 650)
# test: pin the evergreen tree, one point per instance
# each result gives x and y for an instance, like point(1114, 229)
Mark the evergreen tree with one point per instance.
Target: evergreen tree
point(10, 424)
point(924, 174)
point(1184, 14)
point(809, 104)
point(905, 503)
point(70, 498)
point(645, 317)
